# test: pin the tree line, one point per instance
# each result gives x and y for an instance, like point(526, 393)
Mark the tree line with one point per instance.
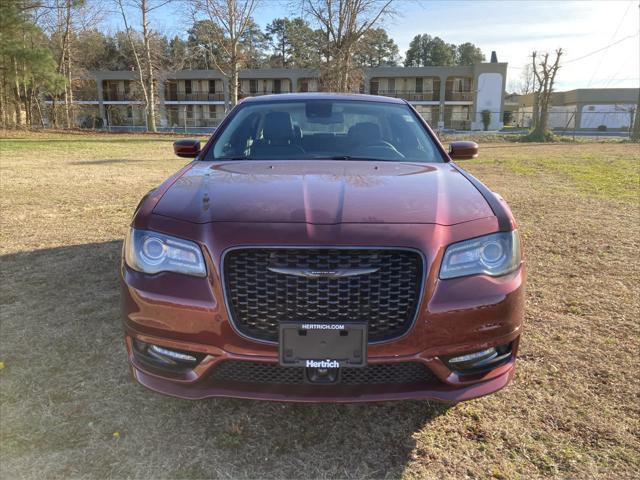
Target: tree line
point(46, 45)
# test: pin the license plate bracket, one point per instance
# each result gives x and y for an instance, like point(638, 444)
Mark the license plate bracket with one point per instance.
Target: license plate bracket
point(323, 345)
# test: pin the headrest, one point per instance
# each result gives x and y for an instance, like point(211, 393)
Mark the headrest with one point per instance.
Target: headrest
point(365, 131)
point(278, 128)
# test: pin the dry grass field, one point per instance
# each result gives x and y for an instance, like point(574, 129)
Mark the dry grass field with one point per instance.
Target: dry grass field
point(68, 407)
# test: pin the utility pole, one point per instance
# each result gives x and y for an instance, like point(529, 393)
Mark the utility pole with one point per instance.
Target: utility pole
point(635, 134)
point(536, 110)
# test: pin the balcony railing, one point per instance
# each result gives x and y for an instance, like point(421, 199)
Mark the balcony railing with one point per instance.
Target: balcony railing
point(459, 96)
point(244, 94)
point(85, 94)
point(194, 96)
point(121, 96)
point(411, 95)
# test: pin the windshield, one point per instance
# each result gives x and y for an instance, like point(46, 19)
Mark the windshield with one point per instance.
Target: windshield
point(324, 129)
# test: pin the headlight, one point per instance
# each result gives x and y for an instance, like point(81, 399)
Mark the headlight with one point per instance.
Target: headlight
point(496, 254)
point(153, 252)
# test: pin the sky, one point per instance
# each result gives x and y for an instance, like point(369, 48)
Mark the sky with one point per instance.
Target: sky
point(513, 29)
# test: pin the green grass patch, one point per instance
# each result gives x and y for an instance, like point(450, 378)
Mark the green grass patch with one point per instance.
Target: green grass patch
point(614, 175)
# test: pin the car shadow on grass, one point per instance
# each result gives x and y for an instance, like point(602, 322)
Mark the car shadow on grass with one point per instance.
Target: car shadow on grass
point(64, 357)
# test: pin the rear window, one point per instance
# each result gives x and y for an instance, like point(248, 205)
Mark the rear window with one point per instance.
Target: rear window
point(324, 129)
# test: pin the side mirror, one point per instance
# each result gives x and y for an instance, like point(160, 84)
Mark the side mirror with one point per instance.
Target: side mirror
point(186, 148)
point(463, 150)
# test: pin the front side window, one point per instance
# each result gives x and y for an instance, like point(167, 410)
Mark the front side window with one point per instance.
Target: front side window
point(325, 129)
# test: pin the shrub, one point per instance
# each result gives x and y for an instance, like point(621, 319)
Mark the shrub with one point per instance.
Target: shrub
point(486, 119)
point(602, 128)
point(507, 117)
point(91, 122)
point(546, 137)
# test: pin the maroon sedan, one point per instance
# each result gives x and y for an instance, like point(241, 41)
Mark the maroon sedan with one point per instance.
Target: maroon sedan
point(323, 248)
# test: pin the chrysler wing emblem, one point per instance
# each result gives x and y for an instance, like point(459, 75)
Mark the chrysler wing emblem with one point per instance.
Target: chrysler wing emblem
point(311, 273)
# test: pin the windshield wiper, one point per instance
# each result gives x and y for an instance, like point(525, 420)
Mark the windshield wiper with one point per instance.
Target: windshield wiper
point(349, 157)
point(334, 157)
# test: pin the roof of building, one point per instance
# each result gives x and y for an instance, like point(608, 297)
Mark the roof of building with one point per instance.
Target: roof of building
point(299, 73)
point(586, 95)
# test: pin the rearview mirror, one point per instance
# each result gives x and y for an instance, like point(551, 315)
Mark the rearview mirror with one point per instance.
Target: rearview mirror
point(463, 150)
point(322, 112)
point(186, 148)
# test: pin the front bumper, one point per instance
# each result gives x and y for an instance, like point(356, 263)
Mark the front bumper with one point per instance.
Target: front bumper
point(445, 386)
point(455, 316)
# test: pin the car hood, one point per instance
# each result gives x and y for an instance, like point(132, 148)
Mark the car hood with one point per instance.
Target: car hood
point(323, 192)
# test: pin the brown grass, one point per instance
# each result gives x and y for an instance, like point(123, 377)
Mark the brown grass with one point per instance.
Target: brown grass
point(68, 407)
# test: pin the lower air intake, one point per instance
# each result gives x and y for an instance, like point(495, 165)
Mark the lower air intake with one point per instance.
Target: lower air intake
point(405, 373)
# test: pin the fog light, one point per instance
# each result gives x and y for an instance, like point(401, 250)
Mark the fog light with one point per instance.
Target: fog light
point(164, 358)
point(487, 354)
point(480, 361)
point(181, 357)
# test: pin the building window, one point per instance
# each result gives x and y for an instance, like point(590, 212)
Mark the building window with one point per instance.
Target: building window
point(277, 86)
point(171, 90)
point(189, 111)
point(212, 86)
point(253, 86)
point(460, 113)
point(461, 84)
point(187, 87)
point(418, 85)
point(304, 85)
point(392, 84)
point(428, 85)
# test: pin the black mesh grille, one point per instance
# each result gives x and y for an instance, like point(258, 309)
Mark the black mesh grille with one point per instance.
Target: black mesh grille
point(272, 373)
point(386, 373)
point(259, 298)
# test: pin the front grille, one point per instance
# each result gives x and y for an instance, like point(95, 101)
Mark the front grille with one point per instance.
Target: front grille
point(405, 373)
point(259, 299)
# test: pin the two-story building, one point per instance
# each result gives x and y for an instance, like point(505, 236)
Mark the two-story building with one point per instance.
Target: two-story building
point(447, 97)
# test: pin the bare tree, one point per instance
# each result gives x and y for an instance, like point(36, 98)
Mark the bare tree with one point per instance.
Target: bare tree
point(536, 93)
point(64, 30)
point(144, 60)
point(524, 84)
point(231, 18)
point(343, 23)
point(545, 75)
point(62, 20)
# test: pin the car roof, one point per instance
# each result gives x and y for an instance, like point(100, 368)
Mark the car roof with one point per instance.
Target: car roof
point(322, 96)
